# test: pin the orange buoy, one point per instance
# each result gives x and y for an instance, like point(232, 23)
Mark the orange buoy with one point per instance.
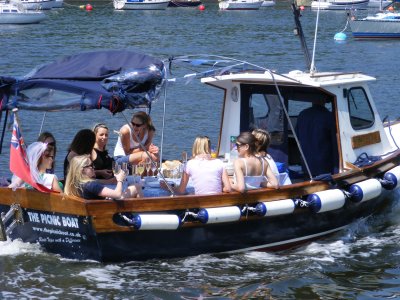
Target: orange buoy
point(302, 7)
point(390, 8)
point(88, 7)
point(202, 7)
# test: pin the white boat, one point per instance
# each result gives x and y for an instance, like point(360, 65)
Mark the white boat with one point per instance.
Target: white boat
point(14, 14)
point(141, 4)
point(380, 25)
point(240, 4)
point(35, 4)
point(339, 4)
point(379, 3)
point(268, 3)
point(58, 4)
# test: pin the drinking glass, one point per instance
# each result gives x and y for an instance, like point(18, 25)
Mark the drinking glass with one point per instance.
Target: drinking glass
point(154, 168)
point(148, 166)
point(140, 169)
point(124, 167)
point(116, 167)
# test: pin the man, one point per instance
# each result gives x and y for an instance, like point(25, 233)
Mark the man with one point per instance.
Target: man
point(316, 131)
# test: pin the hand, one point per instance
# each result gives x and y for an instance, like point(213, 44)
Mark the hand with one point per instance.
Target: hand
point(120, 176)
point(153, 149)
point(106, 174)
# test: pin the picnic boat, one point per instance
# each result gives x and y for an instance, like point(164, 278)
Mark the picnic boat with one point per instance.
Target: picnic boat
point(308, 207)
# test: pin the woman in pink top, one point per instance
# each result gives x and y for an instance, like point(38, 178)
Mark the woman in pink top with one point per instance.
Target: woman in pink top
point(208, 175)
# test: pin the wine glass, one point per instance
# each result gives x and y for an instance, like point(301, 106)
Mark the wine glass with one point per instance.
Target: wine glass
point(116, 167)
point(140, 169)
point(148, 166)
point(124, 167)
point(154, 168)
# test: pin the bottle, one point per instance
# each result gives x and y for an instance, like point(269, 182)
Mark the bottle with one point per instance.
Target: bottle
point(233, 154)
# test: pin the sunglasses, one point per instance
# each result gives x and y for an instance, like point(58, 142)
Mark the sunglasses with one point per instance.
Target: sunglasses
point(52, 144)
point(238, 145)
point(136, 125)
point(89, 166)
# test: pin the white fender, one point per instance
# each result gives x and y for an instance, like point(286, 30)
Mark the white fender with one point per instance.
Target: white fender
point(326, 200)
point(219, 214)
point(156, 222)
point(275, 208)
point(365, 190)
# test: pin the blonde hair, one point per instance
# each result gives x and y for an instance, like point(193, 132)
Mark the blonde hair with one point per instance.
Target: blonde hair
point(263, 138)
point(201, 145)
point(75, 175)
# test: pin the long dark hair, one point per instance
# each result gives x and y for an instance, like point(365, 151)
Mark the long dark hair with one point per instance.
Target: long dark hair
point(249, 139)
point(83, 142)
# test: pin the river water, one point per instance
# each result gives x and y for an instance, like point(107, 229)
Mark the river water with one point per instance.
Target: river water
point(361, 262)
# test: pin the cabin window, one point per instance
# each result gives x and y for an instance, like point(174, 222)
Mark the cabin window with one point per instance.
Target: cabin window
point(360, 110)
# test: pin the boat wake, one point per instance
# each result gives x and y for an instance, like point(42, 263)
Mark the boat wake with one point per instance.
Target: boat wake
point(17, 247)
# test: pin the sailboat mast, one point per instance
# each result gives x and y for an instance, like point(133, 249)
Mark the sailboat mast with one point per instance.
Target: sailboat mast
point(299, 32)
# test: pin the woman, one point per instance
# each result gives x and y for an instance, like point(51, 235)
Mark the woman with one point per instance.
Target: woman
point(82, 143)
point(48, 138)
point(208, 175)
point(263, 139)
point(81, 182)
point(251, 172)
point(128, 148)
point(101, 160)
point(40, 158)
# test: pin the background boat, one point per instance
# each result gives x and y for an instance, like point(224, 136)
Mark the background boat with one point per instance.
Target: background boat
point(360, 262)
point(35, 4)
point(184, 3)
point(240, 4)
point(379, 3)
point(382, 25)
point(16, 14)
point(339, 4)
point(268, 3)
point(141, 4)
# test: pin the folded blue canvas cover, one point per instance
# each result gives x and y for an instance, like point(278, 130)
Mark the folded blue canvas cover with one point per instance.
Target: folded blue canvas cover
point(113, 79)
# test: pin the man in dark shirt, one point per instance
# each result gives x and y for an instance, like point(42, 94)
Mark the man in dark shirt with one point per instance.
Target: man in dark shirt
point(316, 131)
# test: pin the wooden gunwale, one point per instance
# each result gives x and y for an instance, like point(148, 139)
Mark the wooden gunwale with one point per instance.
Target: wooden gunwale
point(102, 211)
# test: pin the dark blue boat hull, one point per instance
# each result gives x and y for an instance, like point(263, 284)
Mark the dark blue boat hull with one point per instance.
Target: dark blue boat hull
point(79, 240)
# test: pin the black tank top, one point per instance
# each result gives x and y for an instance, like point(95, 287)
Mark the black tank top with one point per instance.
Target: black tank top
point(103, 161)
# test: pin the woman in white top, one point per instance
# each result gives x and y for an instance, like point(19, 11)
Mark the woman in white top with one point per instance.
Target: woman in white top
point(262, 143)
point(40, 158)
point(208, 175)
point(251, 172)
point(128, 148)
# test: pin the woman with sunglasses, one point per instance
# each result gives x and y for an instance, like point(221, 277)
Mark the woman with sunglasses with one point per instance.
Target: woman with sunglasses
point(208, 174)
point(48, 138)
point(40, 158)
point(130, 141)
point(251, 172)
point(103, 163)
point(81, 182)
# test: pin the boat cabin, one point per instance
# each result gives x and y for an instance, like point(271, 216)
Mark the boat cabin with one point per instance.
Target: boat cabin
point(255, 100)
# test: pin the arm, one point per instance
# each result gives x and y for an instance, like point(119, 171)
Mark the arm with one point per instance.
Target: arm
point(104, 174)
point(239, 176)
point(272, 181)
point(181, 189)
point(112, 193)
point(125, 139)
point(55, 186)
point(117, 192)
point(226, 185)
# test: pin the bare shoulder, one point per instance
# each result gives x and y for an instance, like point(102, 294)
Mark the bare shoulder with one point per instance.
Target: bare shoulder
point(124, 130)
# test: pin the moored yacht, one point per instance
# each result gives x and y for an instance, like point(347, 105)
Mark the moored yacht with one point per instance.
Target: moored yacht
point(16, 14)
